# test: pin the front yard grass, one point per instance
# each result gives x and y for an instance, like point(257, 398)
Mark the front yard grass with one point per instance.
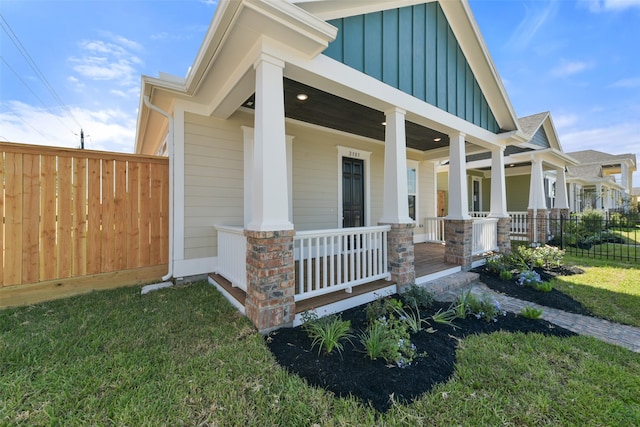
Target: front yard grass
point(609, 289)
point(184, 356)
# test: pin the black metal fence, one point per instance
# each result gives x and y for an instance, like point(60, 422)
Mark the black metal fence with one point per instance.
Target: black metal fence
point(594, 235)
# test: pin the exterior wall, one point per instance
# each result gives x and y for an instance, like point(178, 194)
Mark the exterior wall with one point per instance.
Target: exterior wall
point(540, 138)
point(517, 192)
point(427, 195)
point(413, 49)
point(214, 188)
point(443, 185)
point(214, 178)
point(486, 194)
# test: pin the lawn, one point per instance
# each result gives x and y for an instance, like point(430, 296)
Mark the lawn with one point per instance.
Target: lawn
point(609, 289)
point(184, 356)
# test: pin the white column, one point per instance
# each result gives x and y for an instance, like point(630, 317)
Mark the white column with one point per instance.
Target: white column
point(537, 198)
point(395, 208)
point(458, 193)
point(599, 196)
point(572, 197)
point(562, 201)
point(270, 210)
point(498, 185)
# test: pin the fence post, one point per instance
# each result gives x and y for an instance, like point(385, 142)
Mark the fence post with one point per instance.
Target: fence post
point(561, 231)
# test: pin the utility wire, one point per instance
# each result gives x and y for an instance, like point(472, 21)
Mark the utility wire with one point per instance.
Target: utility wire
point(34, 94)
point(16, 41)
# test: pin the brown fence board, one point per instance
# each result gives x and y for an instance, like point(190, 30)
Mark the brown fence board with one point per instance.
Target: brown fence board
point(133, 216)
point(48, 220)
point(2, 218)
point(120, 217)
point(13, 219)
point(31, 218)
point(79, 256)
point(94, 215)
point(73, 214)
point(65, 217)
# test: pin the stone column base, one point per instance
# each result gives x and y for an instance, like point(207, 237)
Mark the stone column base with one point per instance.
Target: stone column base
point(270, 302)
point(458, 235)
point(400, 255)
point(504, 235)
point(541, 226)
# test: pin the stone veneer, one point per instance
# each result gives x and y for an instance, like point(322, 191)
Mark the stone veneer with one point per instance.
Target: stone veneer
point(458, 234)
point(504, 235)
point(400, 255)
point(542, 226)
point(270, 302)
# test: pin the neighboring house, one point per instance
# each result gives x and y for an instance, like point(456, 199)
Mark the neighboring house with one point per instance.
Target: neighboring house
point(635, 197)
point(305, 141)
point(600, 180)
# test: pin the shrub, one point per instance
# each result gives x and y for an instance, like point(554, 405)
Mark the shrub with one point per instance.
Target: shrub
point(506, 275)
point(542, 256)
point(417, 296)
point(495, 264)
point(528, 278)
point(390, 340)
point(377, 342)
point(486, 307)
point(592, 221)
point(531, 312)
point(543, 287)
point(326, 332)
point(382, 307)
point(411, 317)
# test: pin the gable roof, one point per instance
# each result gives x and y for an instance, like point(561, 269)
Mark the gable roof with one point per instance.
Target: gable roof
point(463, 32)
point(598, 157)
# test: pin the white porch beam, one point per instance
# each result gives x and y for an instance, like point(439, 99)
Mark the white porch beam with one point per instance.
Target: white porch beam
point(458, 193)
point(599, 204)
point(498, 185)
point(270, 210)
point(537, 199)
point(395, 208)
point(562, 201)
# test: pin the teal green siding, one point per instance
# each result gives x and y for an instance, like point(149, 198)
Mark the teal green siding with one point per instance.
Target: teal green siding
point(540, 138)
point(414, 50)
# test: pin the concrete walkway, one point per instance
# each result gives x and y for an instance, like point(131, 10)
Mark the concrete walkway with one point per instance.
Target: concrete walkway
point(613, 333)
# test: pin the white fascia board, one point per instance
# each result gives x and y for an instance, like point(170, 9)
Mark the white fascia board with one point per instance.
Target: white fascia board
point(333, 9)
point(551, 156)
point(461, 20)
point(337, 78)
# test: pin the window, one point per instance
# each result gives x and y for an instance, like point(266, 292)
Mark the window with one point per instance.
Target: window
point(412, 189)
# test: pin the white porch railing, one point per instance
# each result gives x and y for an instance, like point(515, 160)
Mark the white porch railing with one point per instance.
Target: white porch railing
point(478, 214)
point(519, 225)
point(434, 229)
point(232, 255)
point(332, 260)
point(485, 235)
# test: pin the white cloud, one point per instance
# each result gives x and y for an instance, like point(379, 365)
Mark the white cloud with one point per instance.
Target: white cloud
point(562, 121)
point(569, 68)
point(533, 21)
point(633, 82)
point(597, 6)
point(108, 60)
point(105, 129)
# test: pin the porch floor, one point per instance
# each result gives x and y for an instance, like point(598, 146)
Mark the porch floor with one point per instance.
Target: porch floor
point(429, 259)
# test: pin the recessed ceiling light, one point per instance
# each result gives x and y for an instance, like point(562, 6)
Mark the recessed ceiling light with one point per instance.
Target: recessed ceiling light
point(437, 139)
point(384, 123)
point(512, 165)
point(249, 103)
point(302, 96)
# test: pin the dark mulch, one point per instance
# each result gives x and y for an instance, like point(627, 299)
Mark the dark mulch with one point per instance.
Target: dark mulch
point(353, 373)
point(554, 299)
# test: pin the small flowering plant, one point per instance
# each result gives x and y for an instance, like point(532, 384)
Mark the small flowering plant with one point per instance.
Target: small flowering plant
point(529, 278)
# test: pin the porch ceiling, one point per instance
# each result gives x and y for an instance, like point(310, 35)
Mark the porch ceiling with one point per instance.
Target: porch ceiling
point(331, 111)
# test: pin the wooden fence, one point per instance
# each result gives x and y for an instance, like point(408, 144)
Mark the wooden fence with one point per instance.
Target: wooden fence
point(76, 214)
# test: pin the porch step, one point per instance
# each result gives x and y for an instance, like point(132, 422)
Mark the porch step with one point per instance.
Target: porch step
point(452, 283)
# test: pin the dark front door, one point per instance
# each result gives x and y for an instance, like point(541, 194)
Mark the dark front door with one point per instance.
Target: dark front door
point(352, 192)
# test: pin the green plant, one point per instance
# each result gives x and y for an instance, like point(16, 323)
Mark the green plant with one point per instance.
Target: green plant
point(411, 317)
point(417, 296)
point(382, 307)
point(461, 305)
point(531, 312)
point(495, 264)
point(543, 287)
point(326, 332)
point(506, 275)
point(389, 338)
point(446, 317)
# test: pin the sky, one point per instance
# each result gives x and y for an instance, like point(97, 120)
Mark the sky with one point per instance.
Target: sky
point(67, 65)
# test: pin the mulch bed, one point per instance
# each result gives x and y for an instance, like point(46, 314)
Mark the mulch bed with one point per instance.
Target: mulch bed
point(373, 381)
point(554, 299)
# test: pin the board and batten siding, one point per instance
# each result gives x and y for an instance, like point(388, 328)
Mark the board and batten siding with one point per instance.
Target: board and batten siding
point(413, 49)
point(214, 181)
point(540, 138)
